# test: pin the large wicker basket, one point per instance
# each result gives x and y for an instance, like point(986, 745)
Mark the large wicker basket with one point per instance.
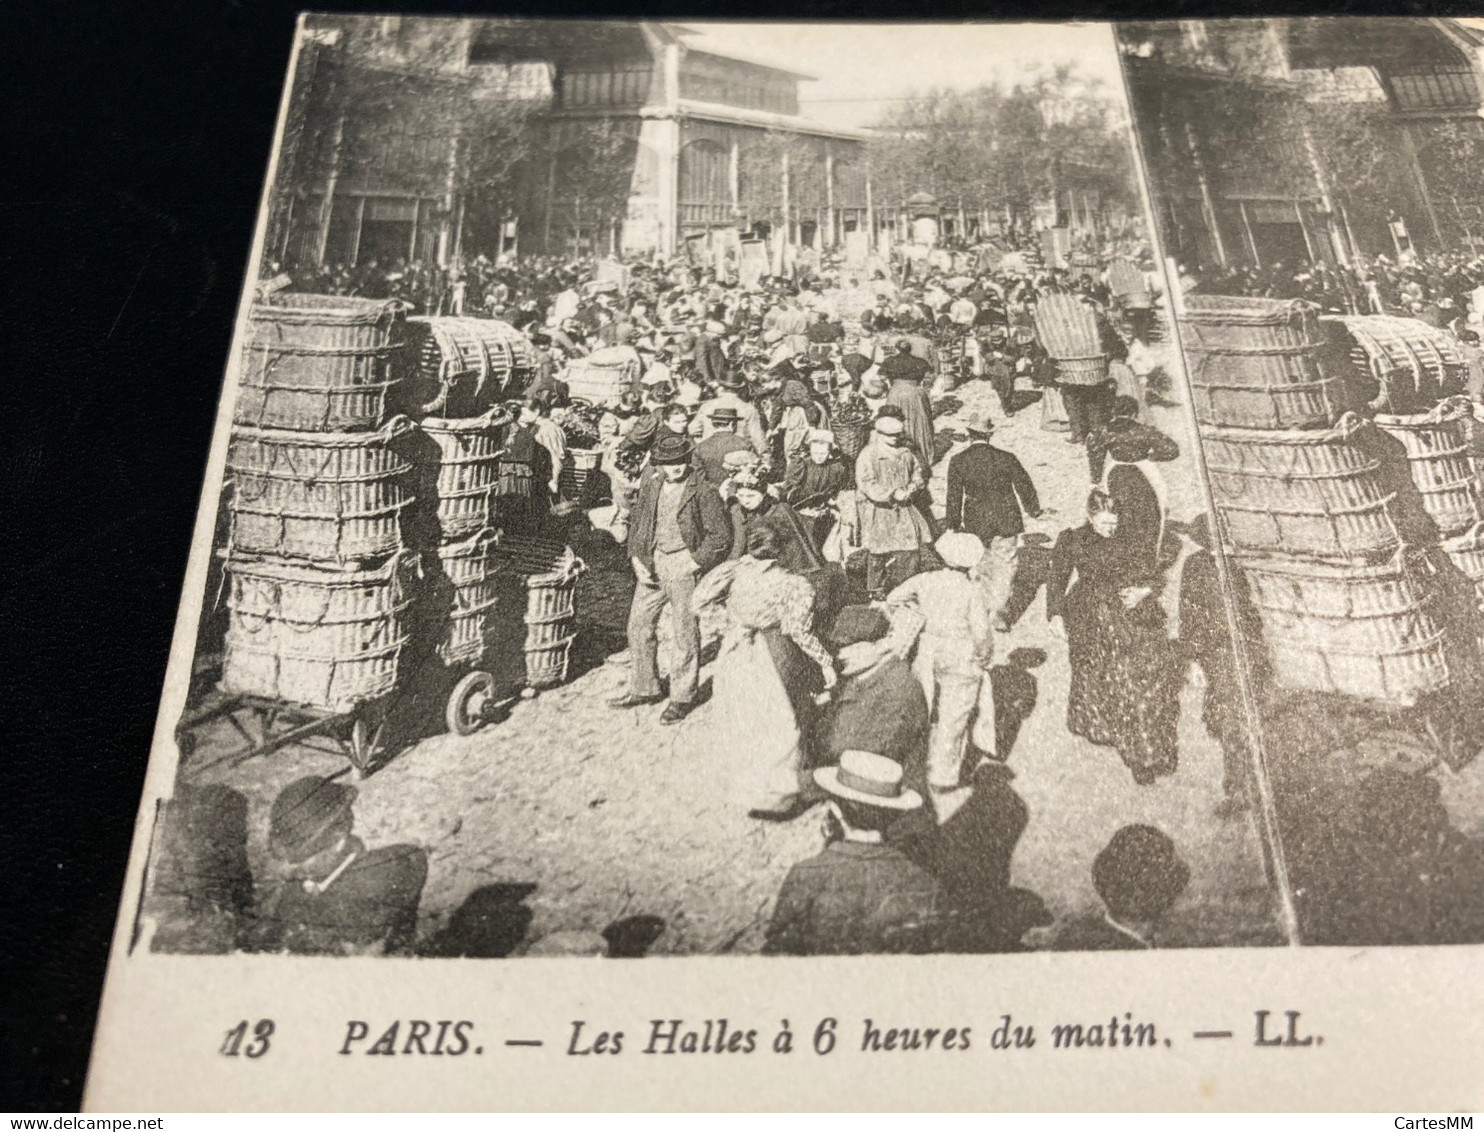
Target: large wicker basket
point(327, 497)
point(471, 569)
point(579, 479)
point(320, 363)
point(1253, 364)
point(1440, 460)
point(1069, 331)
point(1412, 363)
point(1358, 631)
point(603, 376)
point(551, 572)
point(322, 638)
point(1301, 492)
point(468, 471)
point(463, 367)
point(1466, 552)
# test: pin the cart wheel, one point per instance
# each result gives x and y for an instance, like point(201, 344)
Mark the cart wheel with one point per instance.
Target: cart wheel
point(465, 712)
point(364, 744)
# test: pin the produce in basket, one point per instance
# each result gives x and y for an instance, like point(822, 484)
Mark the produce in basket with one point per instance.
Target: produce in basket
point(579, 423)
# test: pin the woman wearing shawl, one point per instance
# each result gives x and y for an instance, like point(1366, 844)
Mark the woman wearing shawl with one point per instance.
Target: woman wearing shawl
point(771, 666)
point(1126, 676)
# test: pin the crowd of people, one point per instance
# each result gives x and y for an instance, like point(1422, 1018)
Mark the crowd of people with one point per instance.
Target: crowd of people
point(771, 454)
point(772, 457)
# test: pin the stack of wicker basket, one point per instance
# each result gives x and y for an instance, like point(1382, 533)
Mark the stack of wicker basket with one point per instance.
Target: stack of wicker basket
point(463, 368)
point(320, 583)
point(1304, 502)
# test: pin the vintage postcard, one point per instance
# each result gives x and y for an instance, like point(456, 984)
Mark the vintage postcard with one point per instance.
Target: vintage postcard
point(959, 545)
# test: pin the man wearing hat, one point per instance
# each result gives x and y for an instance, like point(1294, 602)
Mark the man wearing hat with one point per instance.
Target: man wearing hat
point(893, 531)
point(1138, 876)
point(988, 495)
point(877, 705)
point(860, 896)
point(733, 392)
point(712, 451)
point(679, 529)
point(338, 897)
point(954, 652)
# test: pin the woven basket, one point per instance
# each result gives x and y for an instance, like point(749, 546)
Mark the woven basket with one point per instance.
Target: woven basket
point(579, 479)
point(1300, 492)
point(1466, 551)
point(1082, 371)
point(1357, 631)
point(1440, 460)
point(1253, 364)
point(323, 638)
point(468, 471)
point(551, 571)
point(318, 363)
point(1067, 327)
point(1413, 363)
point(603, 376)
point(327, 497)
point(463, 367)
point(472, 569)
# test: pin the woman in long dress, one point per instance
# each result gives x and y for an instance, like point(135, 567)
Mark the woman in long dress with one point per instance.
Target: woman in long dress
point(770, 668)
point(910, 378)
point(1126, 678)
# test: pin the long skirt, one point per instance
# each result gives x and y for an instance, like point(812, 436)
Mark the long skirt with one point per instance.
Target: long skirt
point(1126, 680)
point(1053, 411)
point(917, 413)
point(764, 685)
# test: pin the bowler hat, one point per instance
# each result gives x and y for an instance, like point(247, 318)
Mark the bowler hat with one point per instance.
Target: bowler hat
point(857, 623)
point(671, 449)
point(304, 811)
point(1138, 873)
point(870, 779)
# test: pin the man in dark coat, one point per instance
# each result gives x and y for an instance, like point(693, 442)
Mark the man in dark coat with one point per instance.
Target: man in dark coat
point(679, 529)
point(878, 705)
point(1138, 876)
point(860, 896)
point(989, 494)
point(712, 452)
point(339, 898)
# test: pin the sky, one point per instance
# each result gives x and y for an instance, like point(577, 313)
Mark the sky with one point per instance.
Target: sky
point(861, 67)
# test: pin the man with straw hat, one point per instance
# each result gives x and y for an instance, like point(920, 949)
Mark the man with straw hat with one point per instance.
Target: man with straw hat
point(860, 896)
point(954, 651)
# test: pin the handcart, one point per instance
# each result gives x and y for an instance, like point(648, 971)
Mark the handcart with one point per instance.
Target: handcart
point(266, 725)
point(548, 571)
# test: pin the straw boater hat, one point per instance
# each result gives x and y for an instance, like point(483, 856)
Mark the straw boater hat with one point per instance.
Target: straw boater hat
point(959, 549)
point(872, 780)
point(724, 414)
point(979, 424)
point(742, 458)
point(889, 426)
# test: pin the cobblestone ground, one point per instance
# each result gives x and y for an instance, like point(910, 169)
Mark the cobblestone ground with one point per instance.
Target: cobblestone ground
point(610, 815)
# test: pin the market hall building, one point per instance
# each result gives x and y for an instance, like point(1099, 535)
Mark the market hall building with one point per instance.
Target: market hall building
point(1309, 140)
point(438, 139)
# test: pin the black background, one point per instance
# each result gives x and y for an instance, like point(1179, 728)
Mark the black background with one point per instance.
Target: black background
point(133, 144)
